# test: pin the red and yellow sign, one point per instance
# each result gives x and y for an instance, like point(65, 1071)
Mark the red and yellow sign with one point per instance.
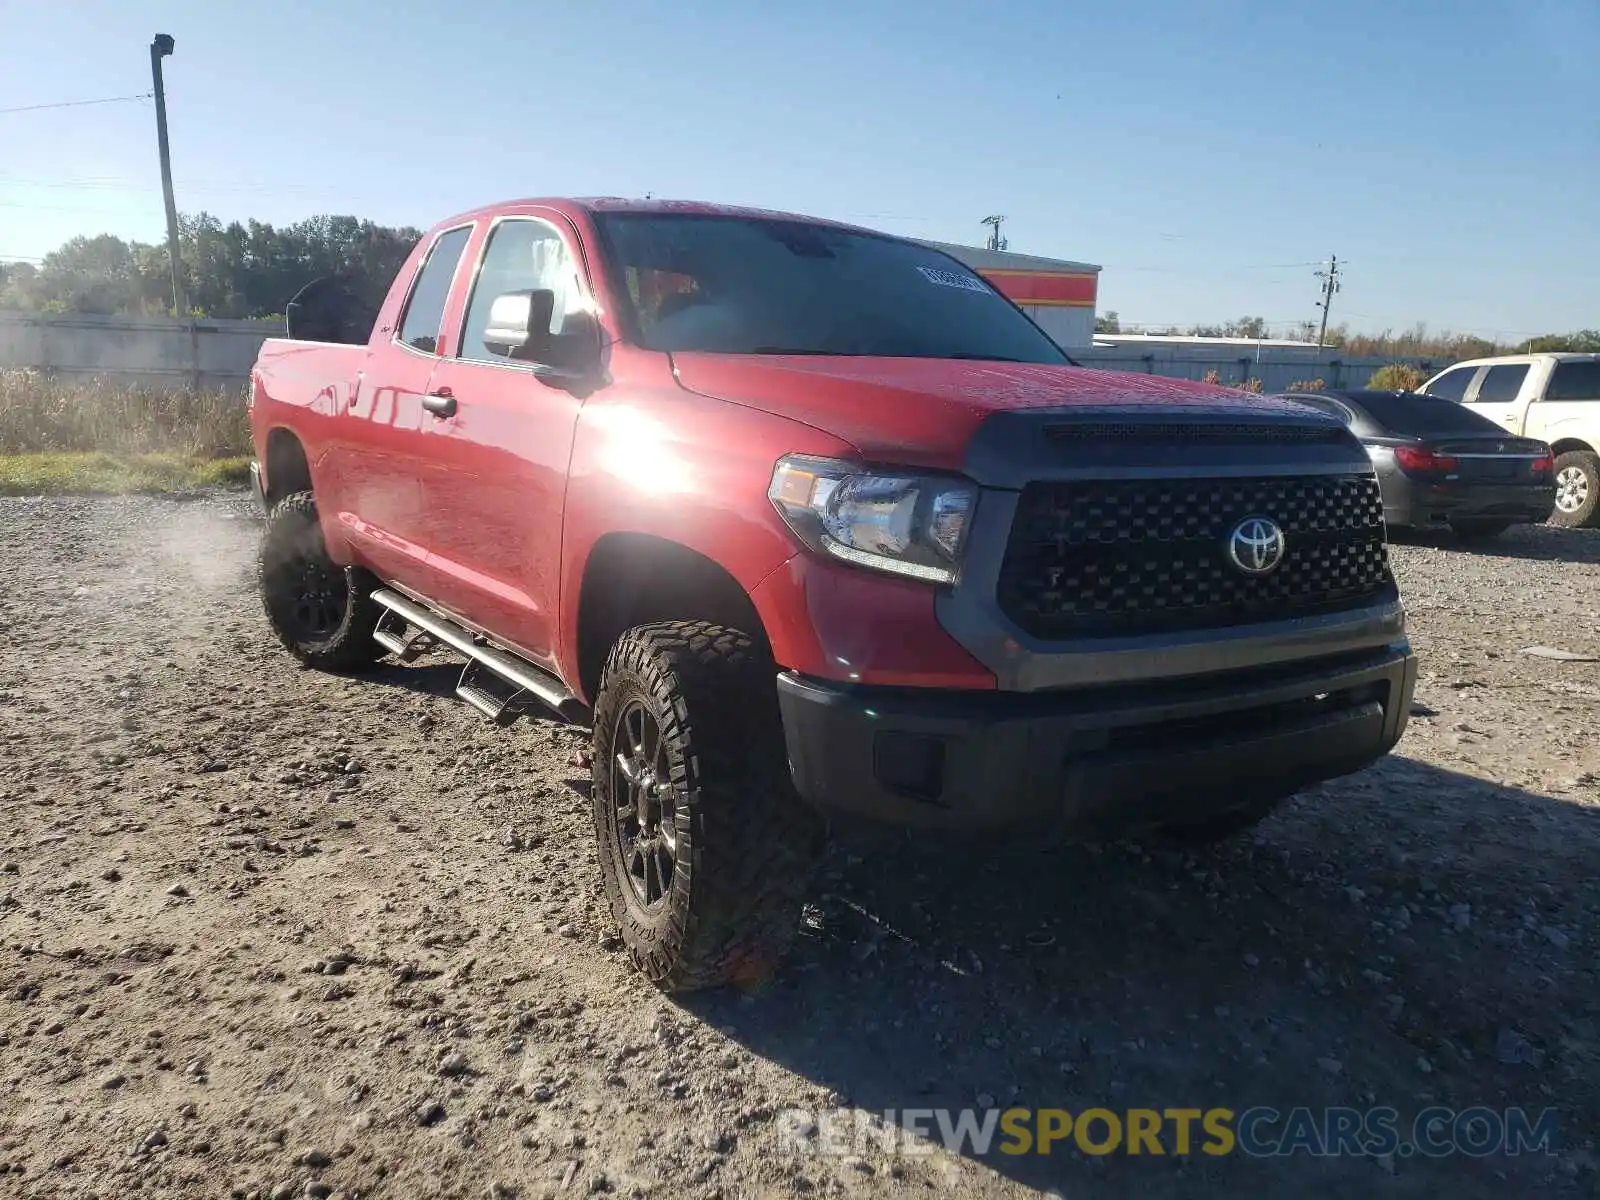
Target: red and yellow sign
point(1045, 289)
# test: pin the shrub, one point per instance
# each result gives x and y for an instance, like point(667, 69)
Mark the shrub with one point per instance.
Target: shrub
point(1399, 377)
point(1306, 385)
point(1249, 385)
point(40, 413)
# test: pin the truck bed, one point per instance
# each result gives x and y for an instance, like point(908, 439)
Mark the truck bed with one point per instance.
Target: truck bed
point(311, 375)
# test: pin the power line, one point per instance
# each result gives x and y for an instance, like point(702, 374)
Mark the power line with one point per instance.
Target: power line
point(66, 208)
point(22, 108)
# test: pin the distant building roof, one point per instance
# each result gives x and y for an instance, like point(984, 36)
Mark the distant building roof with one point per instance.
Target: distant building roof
point(981, 257)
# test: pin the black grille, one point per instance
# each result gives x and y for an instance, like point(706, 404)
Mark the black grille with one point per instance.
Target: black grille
point(1184, 433)
point(1096, 558)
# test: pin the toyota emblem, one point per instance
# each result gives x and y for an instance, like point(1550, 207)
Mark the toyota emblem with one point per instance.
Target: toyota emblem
point(1256, 546)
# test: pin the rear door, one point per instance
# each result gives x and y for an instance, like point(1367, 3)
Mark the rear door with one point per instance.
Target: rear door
point(1501, 395)
point(496, 473)
point(386, 419)
point(1570, 405)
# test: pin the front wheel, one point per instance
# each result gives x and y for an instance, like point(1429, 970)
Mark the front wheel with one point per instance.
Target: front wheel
point(1577, 489)
point(705, 847)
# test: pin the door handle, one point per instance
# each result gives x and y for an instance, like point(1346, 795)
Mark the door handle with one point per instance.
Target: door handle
point(441, 403)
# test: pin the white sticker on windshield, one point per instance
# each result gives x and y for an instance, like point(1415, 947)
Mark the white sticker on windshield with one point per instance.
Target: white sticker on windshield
point(955, 279)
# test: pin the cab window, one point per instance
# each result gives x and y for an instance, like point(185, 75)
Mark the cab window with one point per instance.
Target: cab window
point(522, 255)
point(419, 327)
point(1501, 384)
point(1452, 385)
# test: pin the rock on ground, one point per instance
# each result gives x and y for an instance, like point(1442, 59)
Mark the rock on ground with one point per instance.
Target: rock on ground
point(263, 932)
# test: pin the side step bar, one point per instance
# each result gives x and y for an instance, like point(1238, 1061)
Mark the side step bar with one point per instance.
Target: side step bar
point(520, 673)
point(393, 636)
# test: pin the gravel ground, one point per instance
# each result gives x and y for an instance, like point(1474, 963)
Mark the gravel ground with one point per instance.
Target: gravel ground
point(273, 933)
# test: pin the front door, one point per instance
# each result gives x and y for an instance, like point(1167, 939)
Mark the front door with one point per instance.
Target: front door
point(494, 484)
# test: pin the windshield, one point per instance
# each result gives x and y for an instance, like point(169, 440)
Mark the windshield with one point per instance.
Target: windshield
point(750, 285)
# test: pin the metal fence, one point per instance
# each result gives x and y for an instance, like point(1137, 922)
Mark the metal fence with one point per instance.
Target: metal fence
point(188, 354)
point(1276, 368)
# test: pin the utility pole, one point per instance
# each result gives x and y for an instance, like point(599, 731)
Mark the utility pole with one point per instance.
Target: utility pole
point(996, 242)
point(1330, 285)
point(161, 48)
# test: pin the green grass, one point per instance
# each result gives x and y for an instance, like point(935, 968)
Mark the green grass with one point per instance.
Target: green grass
point(93, 436)
point(97, 472)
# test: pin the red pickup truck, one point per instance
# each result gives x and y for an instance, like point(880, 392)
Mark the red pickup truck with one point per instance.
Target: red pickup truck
point(802, 520)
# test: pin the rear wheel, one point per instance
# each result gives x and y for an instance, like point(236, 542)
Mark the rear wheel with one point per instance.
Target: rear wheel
point(705, 847)
point(1478, 530)
point(1577, 489)
point(323, 613)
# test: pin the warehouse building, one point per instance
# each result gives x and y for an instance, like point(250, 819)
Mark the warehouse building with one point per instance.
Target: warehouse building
point(1059, 295)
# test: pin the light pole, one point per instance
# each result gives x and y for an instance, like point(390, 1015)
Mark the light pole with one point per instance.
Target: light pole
point(160, 48)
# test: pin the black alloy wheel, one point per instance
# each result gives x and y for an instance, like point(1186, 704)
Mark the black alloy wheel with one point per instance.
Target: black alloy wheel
point(647, 808)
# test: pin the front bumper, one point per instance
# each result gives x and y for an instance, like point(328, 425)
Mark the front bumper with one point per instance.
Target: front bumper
point(1419, 505)
point(1095, 759)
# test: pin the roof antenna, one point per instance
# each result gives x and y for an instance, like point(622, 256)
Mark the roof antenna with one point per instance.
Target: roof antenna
point(996, 242)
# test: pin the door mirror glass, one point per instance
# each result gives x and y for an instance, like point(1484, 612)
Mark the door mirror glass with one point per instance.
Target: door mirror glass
point(519, 324)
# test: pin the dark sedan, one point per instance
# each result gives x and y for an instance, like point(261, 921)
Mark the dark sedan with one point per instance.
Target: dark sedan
point(1441, 465)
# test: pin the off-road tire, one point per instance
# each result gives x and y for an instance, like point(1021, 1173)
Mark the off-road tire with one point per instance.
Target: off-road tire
point(1587, 514)
point(745, 842)
point(1478, 530)
point(292, 546)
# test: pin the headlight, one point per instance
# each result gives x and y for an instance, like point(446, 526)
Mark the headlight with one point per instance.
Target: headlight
point(910, 524)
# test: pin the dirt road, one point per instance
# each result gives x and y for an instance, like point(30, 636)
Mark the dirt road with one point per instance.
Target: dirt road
point(265, 932)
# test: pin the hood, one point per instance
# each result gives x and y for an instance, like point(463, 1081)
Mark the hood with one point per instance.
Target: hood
point(924, 411)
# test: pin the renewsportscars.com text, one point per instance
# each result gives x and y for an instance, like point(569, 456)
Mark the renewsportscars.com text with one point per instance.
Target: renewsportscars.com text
point(1259, 1132)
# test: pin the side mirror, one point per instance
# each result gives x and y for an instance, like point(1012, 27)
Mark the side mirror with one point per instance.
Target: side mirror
point(519, 329)
point(519, 323)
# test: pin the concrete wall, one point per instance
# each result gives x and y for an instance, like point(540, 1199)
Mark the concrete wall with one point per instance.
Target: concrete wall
point(1276, 368)
point(181, 354)
point(154, 351)
point(1070, 328)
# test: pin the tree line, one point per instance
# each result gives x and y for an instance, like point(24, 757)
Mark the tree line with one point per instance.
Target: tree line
point(1416, 342)
point(253, 269)
point(241, 269)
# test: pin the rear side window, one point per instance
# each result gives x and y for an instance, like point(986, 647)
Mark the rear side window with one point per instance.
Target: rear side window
point(1332, 407)
point(1574, 381)
point(1413, 414)
point(1501, 384)
point(419, 328)
point(1452, 385)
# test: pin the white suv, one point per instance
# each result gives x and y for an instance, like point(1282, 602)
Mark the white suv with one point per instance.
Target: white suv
point(1552, 397)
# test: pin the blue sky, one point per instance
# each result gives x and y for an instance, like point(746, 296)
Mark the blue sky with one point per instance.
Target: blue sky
point(1204, 154)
